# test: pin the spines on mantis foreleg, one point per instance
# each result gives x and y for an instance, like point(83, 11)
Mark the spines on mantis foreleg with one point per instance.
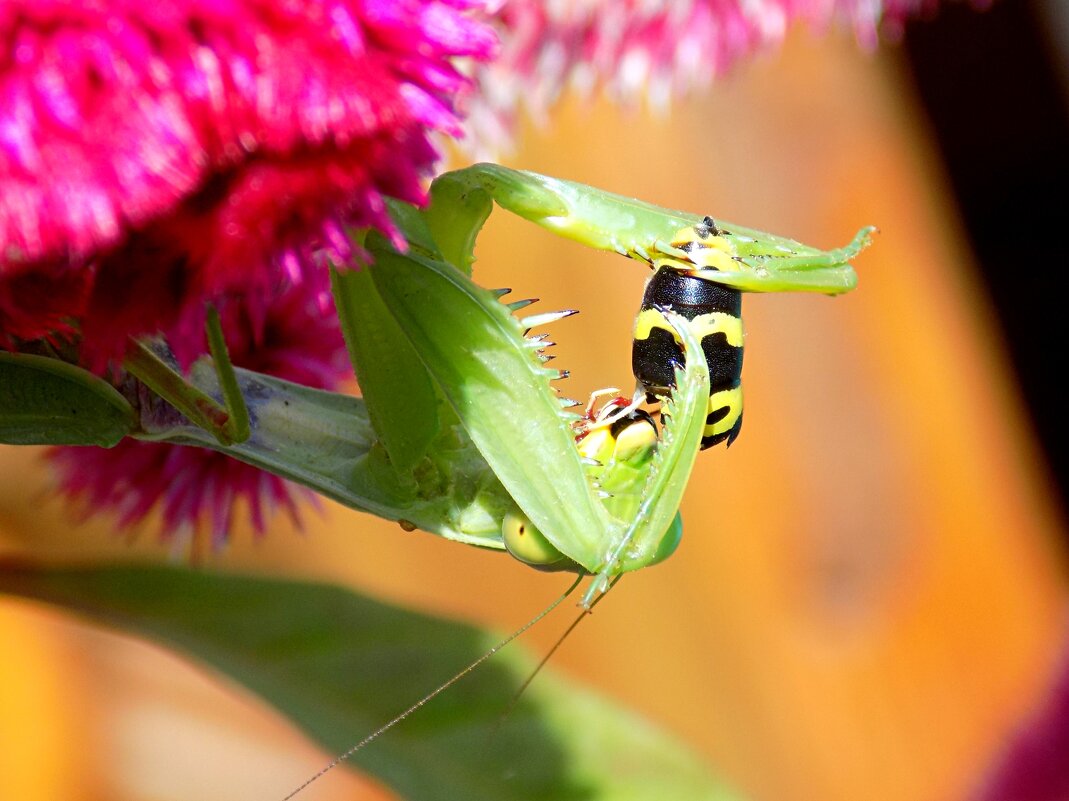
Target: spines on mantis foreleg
point(545, 318)
point(618, 445)
point(500, 391)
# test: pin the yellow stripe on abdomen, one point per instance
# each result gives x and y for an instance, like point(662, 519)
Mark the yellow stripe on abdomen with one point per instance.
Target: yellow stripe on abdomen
point(702, 326)
point(724, 409)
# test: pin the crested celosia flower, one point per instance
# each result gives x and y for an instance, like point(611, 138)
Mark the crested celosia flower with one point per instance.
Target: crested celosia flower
point(295, 335)
point(178, 150)
point(42, 304)
point(634, 48)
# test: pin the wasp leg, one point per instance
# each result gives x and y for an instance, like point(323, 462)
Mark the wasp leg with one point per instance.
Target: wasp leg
point(622, 409)
point(588, 413)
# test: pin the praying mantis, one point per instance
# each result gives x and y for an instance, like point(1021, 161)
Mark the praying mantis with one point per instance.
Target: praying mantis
point(458, 431)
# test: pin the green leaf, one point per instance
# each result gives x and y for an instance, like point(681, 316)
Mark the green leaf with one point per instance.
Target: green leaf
point(339, 665)
point(397, 388)
point(48, 402)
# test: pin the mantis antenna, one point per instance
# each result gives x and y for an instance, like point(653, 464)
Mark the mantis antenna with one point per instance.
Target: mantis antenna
point(586, 611)
point(441, 688)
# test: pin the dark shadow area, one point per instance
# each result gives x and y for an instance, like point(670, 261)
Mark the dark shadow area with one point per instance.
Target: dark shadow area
point(990, 85)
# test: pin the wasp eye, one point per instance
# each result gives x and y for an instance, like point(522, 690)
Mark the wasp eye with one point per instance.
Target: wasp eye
point(597, 445)
point(635, 442)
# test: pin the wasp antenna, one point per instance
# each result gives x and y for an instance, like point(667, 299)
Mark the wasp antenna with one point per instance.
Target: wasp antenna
point(535, 320)
point(520, 304)
point(440, 689)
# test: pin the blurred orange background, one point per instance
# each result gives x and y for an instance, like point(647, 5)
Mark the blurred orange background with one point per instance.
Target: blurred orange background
point(870, 590)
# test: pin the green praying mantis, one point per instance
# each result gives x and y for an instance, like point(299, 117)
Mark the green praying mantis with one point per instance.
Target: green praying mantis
point(458, 431)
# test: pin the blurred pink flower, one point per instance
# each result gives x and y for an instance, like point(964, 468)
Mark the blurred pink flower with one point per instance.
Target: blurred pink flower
point(634, 48)
point(186, 148)
point(294, 336)
point(42, 304)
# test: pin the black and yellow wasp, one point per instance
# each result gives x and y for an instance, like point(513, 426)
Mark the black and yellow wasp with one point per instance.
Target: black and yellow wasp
point(714, 314)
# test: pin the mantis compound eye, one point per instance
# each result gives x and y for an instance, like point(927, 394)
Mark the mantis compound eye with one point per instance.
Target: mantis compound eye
point(525, 542)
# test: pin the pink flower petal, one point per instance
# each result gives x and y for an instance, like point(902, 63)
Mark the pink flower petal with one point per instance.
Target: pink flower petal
point(201, 143)
point(634, 48)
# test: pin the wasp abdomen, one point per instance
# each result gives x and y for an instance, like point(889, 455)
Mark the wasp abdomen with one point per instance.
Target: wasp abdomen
point(713, 312)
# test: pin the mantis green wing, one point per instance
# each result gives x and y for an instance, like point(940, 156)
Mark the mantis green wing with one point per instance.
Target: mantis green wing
point(399, 392)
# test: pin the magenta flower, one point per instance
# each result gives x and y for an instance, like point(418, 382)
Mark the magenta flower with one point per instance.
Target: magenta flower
point(42, 304)
point(157, 155)
point(632, 48)
point(294, 336)
point(185, 149)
